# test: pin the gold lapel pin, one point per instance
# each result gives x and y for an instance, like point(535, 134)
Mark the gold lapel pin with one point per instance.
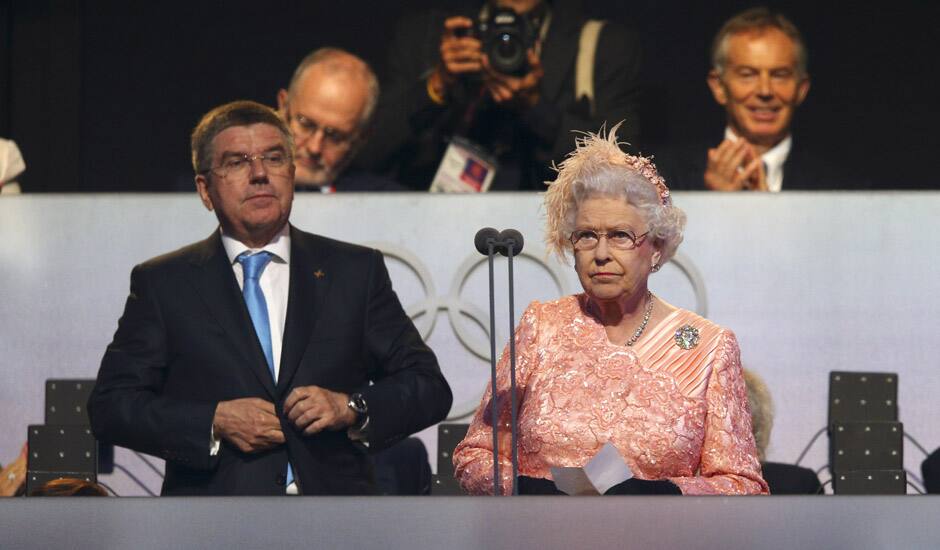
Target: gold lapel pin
point(319, 274)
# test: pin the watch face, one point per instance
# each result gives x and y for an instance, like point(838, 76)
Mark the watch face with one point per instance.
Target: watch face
point(358, 403)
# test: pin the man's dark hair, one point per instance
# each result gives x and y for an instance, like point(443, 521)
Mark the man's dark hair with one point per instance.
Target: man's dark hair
point(757, 20)
point(236, 113)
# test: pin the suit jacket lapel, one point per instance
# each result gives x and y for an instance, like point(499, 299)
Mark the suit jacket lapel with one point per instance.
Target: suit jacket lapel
point(216, 284)
point(309, 284)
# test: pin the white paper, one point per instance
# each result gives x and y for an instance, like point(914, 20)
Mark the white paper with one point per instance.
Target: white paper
point(602, 472)
point(572, 481)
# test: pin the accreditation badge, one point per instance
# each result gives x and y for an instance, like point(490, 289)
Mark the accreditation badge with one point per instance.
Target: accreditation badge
point(465, 168)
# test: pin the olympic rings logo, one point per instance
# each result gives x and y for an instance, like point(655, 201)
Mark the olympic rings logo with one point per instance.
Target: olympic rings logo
point(460, 313)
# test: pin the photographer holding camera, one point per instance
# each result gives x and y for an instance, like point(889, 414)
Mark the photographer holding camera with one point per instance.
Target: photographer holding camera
point(485, 98)
point(517, 71)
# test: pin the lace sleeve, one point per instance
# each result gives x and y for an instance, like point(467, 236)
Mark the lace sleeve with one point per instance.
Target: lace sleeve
point(729, 463)
point(473, 457)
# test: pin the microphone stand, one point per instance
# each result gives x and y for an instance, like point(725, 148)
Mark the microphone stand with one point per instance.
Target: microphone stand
point(494, 410)
point(508, 243)
point(514, 436)
point(486, 242)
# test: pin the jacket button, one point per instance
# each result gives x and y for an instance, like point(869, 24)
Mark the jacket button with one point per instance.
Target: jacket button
point(281, 479)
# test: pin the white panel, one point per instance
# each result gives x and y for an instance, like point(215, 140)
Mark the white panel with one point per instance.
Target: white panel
point(810, 282)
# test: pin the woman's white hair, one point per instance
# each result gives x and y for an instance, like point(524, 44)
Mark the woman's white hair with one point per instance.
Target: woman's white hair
point(762, 411)
point(599, 168)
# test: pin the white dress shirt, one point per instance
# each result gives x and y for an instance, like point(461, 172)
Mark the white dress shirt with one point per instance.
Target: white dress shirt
point(275, 283)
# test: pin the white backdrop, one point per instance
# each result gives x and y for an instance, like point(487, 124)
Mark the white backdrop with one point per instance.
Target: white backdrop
point(810, 282)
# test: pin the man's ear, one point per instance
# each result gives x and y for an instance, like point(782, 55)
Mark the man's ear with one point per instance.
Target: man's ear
point(282, 102)
point(202, 187)
point(717, 87)
point(802, 90)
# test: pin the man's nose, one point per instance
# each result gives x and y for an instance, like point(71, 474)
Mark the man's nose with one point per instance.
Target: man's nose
point(259, 172)
point(764, 88)
point(314, 143)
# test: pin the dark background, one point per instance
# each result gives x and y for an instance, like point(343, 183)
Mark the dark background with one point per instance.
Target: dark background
point(101, 96)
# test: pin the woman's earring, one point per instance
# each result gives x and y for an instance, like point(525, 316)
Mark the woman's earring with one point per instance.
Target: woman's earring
point(655, 268)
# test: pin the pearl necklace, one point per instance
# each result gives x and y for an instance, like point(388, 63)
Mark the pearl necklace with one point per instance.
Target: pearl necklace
point(646, 319)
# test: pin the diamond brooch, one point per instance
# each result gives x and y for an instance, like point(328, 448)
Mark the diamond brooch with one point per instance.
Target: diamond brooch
point(687, 337)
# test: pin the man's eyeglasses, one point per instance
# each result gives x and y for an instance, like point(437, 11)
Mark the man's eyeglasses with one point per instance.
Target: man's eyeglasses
point(304, 129)
point(239, 166)
point(622, 239)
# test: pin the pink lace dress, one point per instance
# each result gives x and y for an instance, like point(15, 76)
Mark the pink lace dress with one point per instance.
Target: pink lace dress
point(673, 413)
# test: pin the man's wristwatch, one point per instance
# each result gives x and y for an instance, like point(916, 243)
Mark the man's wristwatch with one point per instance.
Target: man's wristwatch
point(358, 405)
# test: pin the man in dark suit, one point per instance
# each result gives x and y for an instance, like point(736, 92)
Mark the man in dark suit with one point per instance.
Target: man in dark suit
point(263, 359)
point(759, 75)
point(442, 86)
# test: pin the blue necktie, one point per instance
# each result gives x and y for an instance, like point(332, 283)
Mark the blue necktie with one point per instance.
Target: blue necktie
point(252, 268)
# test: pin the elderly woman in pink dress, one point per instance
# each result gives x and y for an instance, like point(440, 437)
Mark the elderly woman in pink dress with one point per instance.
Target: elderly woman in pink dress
point(617, 363)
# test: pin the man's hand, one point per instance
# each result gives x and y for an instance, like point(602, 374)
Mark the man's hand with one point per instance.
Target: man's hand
point(460, 54)
point(314, 409)
point(520, 91)
point(733, 166)
point(249, 423)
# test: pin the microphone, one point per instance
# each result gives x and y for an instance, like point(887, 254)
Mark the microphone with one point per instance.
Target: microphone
point(483, 239)
point(511, 242)
point(485, 242)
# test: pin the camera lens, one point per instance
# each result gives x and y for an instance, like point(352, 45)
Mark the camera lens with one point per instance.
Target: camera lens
point(507, 54)
point(505, 39)
point(507, 47)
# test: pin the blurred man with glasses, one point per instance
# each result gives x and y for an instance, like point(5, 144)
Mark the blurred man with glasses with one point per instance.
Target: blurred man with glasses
point(263, 360)
point(328, 105)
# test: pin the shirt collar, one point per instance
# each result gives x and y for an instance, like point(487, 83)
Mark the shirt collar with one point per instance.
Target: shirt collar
point(279, 246)
point(776, 155)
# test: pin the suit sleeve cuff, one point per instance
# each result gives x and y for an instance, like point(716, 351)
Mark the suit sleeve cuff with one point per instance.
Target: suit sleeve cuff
point(215, 443)
point(359, 432)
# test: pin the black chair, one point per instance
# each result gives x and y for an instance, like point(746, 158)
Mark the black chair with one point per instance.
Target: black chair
point(403, 469)
point(930, 468)
point(448, 437)
point(790, 479)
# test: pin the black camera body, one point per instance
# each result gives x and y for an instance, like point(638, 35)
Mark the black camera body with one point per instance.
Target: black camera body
point(506, 38)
